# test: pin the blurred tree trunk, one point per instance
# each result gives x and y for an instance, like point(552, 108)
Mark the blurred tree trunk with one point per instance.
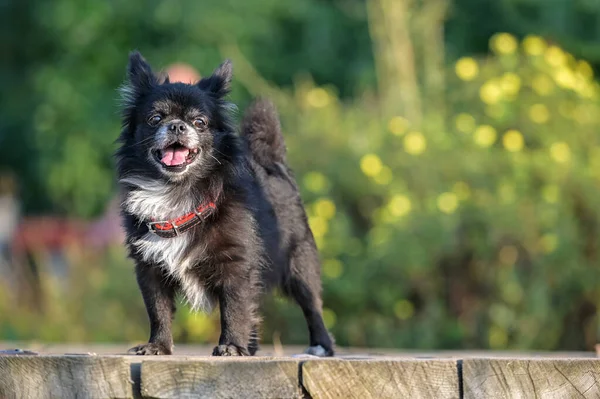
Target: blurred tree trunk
point(395, 56)
point(408, 41)
point(430, 29)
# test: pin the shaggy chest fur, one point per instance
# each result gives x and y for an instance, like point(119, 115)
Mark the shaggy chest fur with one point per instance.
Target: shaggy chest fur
point(152, 200)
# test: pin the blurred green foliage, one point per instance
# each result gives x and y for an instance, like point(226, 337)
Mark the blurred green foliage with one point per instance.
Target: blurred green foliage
point(460, 213)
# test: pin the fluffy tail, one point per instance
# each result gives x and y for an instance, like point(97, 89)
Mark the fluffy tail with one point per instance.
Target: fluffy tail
point(262, 129)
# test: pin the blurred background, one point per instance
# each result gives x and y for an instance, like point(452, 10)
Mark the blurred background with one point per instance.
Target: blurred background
point(448, 153)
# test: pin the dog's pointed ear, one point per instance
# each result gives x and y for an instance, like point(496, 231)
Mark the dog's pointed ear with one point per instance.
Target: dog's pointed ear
point(139, 72)
point(219, 83)
point(140, 79)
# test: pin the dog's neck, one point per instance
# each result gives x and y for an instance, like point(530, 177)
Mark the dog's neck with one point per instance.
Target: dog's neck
point(157, 200)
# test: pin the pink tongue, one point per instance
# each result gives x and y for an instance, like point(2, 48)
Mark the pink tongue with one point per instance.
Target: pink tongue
point(174, 156)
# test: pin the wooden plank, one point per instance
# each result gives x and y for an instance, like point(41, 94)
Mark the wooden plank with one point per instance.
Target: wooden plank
point(221, 378)
point(288, 350)
point(531, 378)
point(398, 378)
point(36, 377)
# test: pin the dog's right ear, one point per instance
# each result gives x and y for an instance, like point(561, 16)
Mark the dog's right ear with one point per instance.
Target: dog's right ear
point(140, 73)
point(140, 78)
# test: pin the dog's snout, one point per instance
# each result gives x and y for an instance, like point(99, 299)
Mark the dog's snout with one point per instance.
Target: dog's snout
point(178, 127)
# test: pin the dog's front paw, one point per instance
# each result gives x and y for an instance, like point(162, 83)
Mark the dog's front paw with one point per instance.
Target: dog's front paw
point(230, 350)
point(150, 349)
point(319, 351)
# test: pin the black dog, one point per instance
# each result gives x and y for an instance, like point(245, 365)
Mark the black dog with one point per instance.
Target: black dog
point(210, 214)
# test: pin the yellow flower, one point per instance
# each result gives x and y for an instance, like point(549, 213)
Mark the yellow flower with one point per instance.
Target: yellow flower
point(318, 225)
point(564, 77)
point(534, 45)
point(583, 87)
point(585, 70)
point(550, 193)
point(315, 182)
point(503, 43)
point(317, 97)
point(398, 125)
point(466, 68)
point(513, 140)
point(371, 165)
point(511, 84)
point(332, 268)
point(462, 190)
point(485, 135)
point(588, 91)
point(447, 202)
point(539, 113)
point(324, 208)
point(555, 57)
point(542, 85)
point(549, 243)
point(584, 113)
point(404, 309)
point(415, 143)
point(465, 123)
point(490, 92)
point(399, 205)
point(560, 152)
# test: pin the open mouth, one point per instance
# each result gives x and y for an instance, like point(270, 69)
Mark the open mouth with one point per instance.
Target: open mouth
point(176, 156)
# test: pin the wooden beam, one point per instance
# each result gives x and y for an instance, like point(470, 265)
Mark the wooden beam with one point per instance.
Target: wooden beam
point(380, 378)
point(221, 378)
point(69, 376)
point(531, 378)
point(36, 377)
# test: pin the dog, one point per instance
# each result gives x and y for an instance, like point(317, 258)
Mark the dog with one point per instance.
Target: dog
point(210, 213)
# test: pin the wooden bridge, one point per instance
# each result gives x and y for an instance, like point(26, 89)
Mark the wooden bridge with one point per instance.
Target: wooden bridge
point(100, 372)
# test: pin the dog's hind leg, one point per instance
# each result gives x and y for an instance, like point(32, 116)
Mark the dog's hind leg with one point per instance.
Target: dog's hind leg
point(304, 286)
point(253, 345)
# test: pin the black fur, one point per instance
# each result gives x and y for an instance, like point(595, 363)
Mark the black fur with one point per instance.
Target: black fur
point(257, 238)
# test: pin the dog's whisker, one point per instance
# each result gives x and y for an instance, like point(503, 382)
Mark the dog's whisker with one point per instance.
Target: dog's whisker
point(215, 149)
point(215, 159)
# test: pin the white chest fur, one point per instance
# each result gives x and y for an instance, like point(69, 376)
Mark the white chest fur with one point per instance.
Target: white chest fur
point(154, 200)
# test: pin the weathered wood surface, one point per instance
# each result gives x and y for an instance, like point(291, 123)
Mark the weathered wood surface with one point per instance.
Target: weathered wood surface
point(233, 378)
point(531, 378)
point(36, 377)
point(362, 379)
point(403, 375)
point(286, 351)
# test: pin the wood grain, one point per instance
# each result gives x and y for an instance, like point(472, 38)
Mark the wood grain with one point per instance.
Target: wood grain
point(220, 378)
point(400, 378)
point(531, 378)
point(36, 377)
point(44, 376)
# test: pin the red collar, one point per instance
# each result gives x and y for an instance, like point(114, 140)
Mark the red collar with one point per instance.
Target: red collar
point(174, 227)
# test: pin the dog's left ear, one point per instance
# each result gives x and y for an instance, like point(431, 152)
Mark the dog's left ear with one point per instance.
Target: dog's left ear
point(219, 83)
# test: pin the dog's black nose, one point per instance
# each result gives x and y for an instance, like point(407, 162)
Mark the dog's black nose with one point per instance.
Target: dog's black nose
point(178, 127)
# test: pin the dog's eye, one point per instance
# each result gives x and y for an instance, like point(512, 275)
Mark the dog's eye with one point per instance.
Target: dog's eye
point(200, 123)
point(154, 119)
